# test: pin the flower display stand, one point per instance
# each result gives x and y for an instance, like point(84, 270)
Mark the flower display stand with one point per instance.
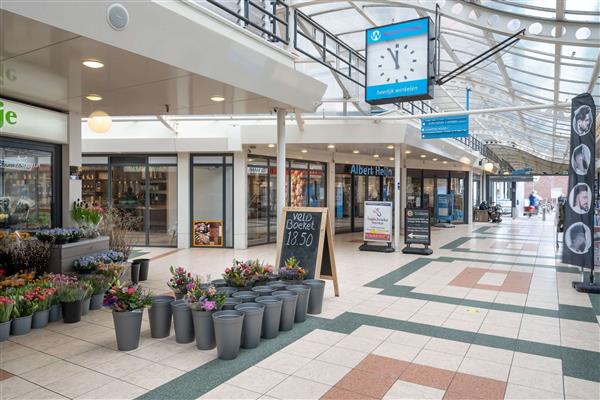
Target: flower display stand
point(62, 256)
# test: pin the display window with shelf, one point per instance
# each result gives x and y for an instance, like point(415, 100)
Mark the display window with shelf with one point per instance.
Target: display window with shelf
point(141, 187)
point(30, 184)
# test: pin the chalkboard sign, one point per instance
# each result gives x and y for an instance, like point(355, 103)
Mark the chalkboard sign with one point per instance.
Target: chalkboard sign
point(417, 229)
point(307, 235)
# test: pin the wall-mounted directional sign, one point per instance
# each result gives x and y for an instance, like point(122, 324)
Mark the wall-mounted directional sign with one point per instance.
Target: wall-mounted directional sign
point(400, 62)
point(445, 127)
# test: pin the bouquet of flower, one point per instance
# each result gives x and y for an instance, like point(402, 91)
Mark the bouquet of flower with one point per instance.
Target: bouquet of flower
point(179, 279)
point(17, 280)
point(6, 308)
point(261, 272)
point(292, 271)
point(99, 284)
point(73, 292)
point(110, 256)
point(126, 298)
point(112, 271)
point(204, 297)
point(57, 235)
point(56, 281)
point(239, 275)
point(74, 234)
point(40, 297)
point(86, 264)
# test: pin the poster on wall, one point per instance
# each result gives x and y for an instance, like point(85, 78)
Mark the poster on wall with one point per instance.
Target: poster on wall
point(578, 246)
point(399, 62)
point(378, 221)
point(207, 233)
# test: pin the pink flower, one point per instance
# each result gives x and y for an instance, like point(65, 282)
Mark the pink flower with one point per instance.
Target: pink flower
point(131, 290)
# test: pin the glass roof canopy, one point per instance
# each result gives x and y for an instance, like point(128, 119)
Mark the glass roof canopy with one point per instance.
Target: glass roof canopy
point(558, 58)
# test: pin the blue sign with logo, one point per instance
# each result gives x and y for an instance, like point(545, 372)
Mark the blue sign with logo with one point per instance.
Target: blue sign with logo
point(399, 64)
point(445, 127)
point(444, 207)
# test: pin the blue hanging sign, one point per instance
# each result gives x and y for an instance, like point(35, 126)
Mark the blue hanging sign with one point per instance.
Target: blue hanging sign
point(444, 207)
point(445, 127)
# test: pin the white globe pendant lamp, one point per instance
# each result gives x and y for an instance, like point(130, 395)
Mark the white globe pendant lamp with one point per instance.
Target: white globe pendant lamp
point(99, 122)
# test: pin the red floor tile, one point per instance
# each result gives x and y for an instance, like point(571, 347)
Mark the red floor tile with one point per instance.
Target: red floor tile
point(366, 383)
point(427, 376)
point(336, 393)
point(465, 386)
point(382, 366)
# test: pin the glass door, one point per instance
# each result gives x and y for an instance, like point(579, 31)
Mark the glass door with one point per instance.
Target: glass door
point(360, 189)
point(429, 194)
point(162, 207)
point(129, 197)
point(258, 202)
point(374, 186)
point(457, 186)
point(343, 202)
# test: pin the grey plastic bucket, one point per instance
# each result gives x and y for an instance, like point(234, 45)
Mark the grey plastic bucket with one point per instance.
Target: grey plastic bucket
point(144, 267)
point(315, 299)
point(303, 292)
point(21, 326)
point(135, 272)
point(5, 330)
point(253, 319)
point(56, 312)
point(204, 329)
point(264, 290)
point(231, 302)
point(278, 285)
point(219, 282)
point(160, 315)
point(85, 306)
point(40, 319)
point(182, 320)
point(228, 333)
point(96, 301)
point(288, 308)
point(246, 296)
point(228, 290)
point(127, 328)
point(271, 316)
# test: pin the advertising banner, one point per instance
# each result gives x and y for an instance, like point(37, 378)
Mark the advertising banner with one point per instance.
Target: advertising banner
point(207, 233)
point(445, 127)
point(399, 62)
point(578, 246)
point(417, 229)
point(378, 221)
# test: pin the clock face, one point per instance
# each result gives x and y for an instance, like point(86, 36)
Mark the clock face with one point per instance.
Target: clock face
point(397, 61)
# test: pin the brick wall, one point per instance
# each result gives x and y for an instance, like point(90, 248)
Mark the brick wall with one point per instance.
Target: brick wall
point(545, 184)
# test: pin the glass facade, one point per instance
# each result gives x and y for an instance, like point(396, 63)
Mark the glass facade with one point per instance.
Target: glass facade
point(143, 187)
point(212, 201)
point(306, 186)
point(29, 185)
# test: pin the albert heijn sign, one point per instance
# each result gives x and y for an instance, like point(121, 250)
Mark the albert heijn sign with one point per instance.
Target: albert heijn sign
point(28, 122)
point(370, 170)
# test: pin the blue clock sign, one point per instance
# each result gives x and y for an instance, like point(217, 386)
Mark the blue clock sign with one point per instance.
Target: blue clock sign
point(400, 62)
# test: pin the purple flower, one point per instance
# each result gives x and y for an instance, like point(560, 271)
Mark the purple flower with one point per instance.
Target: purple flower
point(190, 286)
point(208, 305)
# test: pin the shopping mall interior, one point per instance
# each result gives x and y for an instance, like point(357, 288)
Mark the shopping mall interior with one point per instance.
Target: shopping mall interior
point(297, 199)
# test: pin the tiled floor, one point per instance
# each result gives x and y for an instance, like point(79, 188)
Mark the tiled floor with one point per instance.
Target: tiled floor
point(490, 315)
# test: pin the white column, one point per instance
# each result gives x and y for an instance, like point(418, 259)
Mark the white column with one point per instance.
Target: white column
point(184, 186)
point(280, 164)
point(331, 192)
point(240, 200)
point(403, 186)
point(470, 197)
point(71, 156)
point(398, 210)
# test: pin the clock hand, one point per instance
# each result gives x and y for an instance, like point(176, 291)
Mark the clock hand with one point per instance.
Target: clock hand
point(394, 55)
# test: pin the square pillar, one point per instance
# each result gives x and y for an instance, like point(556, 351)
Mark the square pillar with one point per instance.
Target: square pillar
point(184, 187)
point(71, 156)
point(331, 192)
point(469, 213)
point(240, 200)
point(398, 209)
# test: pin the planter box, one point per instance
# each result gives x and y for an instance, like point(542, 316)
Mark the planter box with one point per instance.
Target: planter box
point(62, 256)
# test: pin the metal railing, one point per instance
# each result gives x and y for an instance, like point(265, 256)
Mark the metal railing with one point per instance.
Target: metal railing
point(266, 18)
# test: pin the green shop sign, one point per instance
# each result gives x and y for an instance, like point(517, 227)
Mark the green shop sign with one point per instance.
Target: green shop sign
point(7, 116)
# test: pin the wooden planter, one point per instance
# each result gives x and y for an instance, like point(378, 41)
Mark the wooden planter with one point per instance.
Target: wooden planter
point(62, 256)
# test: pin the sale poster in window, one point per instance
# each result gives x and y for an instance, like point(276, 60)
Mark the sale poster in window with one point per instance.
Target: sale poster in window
point(207, 233)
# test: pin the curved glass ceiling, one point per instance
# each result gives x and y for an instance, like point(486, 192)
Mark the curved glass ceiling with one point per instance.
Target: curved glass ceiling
point(554, 62)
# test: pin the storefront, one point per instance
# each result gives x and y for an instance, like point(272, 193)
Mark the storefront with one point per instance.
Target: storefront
point(212, 200)
point(306, 183)
point(143, 188)
point(355, 184)
point(31, 140)
point(423, 186)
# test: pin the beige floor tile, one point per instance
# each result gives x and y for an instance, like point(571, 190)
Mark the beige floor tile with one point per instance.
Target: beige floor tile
point(437, 359)
point(27, 363)
point(158, 351)
point(485, 369)
point(73, 348)
point(447, 346)
point(412, 391)
point(121, 366)
point(322, 372)
point(52, 372)
point(116, 390)
point(41, 339)
point(40, 394)
point(299, 388)
point(15, 386)
point(78, 384)
point(397, 351)
point(324, 337)
point(538, 363)
point(500, 356)
point(342, 356)
point(518, 392)
point(257, 379)
point(408, 339)
point(283, 362)
point(11, 351)
point(152, 376)
point(228, 392)
point(190, 359)
point(581, 389)
point(536, 379)
point(499, 330)
point(372, 332)
point(305, 349)
point(97, 356)
point(361, 344)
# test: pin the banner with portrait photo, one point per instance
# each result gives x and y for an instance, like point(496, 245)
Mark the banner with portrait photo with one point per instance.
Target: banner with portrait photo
point(578, 246)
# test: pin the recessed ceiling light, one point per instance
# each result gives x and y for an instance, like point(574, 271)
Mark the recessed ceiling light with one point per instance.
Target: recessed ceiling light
point(407, 152)
point(392, 158)
point(422, 156)
point(391, 146)
point(331, 146)
point(271, 145)
point(434, 159)
point(444, 162)
point(93, 97)
point(95, 64)
point(251, 159)
point(355, 151)
point(304, 151)
point(376, 155)
point(217, 98)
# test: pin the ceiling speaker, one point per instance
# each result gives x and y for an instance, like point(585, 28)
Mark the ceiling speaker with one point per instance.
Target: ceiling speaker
point(117, 17)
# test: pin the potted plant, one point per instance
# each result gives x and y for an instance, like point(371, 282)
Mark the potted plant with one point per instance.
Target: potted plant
point(239, 275)
point(6, 307)
point(179, 280)
point(42, 298)
point(203, 301)
point(113, 271)
point(292, 271)
point(87, 217)
point(127, 303)
point(261, 273)
point(85, 303)
point(57, 281)
point(60, 236)
point(99, 285)
point(22, 312)
point(75, 234)
point(71, 295)
point(86, 264)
